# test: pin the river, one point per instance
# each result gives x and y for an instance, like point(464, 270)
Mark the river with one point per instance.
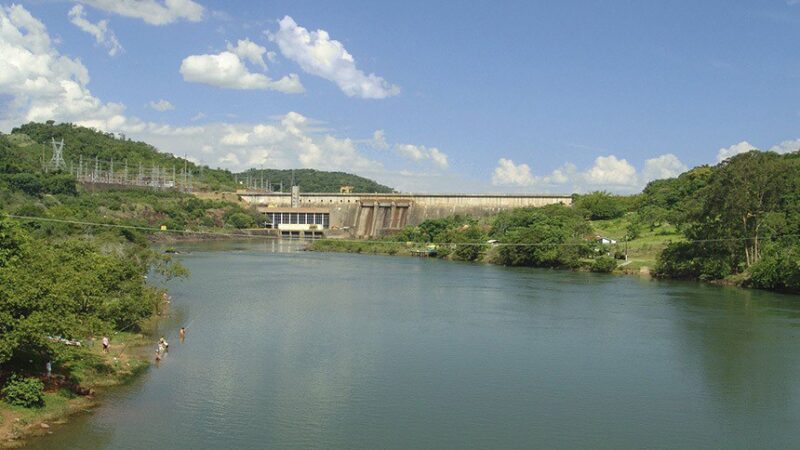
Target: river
point(288, 349)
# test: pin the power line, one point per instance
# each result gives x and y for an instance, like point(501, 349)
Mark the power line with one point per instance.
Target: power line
point(359, 241)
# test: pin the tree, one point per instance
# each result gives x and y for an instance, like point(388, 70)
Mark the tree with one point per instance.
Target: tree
point(600, 205)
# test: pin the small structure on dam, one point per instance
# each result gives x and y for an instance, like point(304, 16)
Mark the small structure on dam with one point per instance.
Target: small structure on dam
point(373, 215)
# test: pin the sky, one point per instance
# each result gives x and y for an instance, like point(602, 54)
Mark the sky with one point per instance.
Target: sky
point(477, 96)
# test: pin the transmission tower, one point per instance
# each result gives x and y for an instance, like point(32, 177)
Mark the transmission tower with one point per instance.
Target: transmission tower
point(57, 161)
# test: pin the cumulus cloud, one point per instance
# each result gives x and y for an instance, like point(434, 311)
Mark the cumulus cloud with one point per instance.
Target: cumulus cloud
point(44, 85)
point(249, 50)
point(153, 12)
point(319, 55)
point(507, 173)
point(161, 105)
point(418, 153)
point(226, 70)
point(611, 171)
point(735, 149)
point(379, 140)
point(607, 173)
point(291, 141)
point(102, 34)
point(664, 166)
point(41, 84)
point(789, 146)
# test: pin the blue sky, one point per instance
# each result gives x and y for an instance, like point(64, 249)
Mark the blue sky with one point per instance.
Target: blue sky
point(480, 96)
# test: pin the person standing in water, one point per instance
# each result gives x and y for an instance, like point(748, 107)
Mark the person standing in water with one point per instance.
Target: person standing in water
point(182, 333)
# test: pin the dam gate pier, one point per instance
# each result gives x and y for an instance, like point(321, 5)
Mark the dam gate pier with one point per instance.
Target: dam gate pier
point(361, 215)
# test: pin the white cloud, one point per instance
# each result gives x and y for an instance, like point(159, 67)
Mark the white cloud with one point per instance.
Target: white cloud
point(226, 70)
point(161, 105)
point(735, 149)
point(789, 146)
point(319, 55)
point(379, 140)
point(42, 85)
point(607, 173)
point(611, 171)
point(249, 50)
point(508, 173)
point(229, 159)
point(418, 153)
point(102, 34)
point(153, 12)
point(664, 166)
point(198, 116)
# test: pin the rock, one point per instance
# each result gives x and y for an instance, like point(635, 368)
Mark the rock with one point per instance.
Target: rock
point(44, 425)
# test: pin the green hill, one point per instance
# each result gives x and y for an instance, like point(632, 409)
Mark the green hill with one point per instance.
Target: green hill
point(311, 180)
point(33, 142)
point(28, 146)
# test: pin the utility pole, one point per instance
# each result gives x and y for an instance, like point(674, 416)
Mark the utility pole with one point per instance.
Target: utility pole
point(185, 166)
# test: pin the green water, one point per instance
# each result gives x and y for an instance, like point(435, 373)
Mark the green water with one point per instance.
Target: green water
point(307, 350)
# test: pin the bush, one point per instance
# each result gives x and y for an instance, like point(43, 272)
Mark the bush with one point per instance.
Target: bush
point(778, 268)
point(25, 392)
point(603, 264)
point(60, 184)
point(600, 205)
point(241, 220)
point(692, 260)
point(25, 182)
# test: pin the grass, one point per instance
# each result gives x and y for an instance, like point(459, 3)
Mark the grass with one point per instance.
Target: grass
point(643, 250)
point(365, 247)
point(92, 369)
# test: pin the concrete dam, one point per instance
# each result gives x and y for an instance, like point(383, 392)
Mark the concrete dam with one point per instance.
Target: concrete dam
point(373, 215)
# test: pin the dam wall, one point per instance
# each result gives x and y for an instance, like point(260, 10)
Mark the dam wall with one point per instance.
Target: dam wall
point(371, 215)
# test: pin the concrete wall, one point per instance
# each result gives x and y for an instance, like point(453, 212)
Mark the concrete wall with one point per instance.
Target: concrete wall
point(374, 214)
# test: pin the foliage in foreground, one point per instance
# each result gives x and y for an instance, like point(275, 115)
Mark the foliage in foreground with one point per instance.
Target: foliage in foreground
point(25, 392)
point(70, 289)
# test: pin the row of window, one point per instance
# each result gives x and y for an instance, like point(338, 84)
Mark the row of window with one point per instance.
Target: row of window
point(299, 218)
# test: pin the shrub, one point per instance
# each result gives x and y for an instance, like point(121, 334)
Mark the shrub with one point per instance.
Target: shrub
point(25, 182)
point(60, 184)
point(25, 392)
point(778, 268)
point(603, 264)
point(600, 205)
point(692, 260)
point(241, 220)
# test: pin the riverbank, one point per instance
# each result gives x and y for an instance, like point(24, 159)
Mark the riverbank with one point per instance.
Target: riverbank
point(93, 373)
point(166, 237)
point(489, 256)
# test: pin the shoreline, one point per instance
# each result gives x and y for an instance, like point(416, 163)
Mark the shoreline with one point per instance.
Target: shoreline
point(127, 359)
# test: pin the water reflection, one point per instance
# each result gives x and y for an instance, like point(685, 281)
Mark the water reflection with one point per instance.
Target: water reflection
point(293, 349)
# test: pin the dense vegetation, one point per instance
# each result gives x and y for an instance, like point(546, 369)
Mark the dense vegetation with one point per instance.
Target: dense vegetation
point(52, 292)
point(738, 220)
point(33, 145)
point(741, 218)
point(310, 180)
point(29, 145)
